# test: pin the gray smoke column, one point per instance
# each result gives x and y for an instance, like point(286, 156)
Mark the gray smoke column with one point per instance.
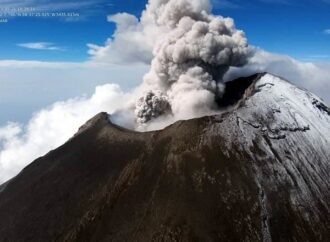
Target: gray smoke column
point(192, 52)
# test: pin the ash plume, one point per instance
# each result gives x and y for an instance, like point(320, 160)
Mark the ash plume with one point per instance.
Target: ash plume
point(150, 106)
point(191, 56)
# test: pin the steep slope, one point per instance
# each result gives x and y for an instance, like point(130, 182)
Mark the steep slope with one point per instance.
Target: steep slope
point(259, 172)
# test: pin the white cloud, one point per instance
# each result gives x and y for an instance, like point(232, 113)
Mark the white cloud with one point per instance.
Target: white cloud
point(40, 46)
point(50, 5)
point(319, 56)
point(314, 77)
point(37, 64)
point(54, 81)
point(46, 64)
point(51, 127)
point(316, 58)
point(326, 31)
point(132, 41)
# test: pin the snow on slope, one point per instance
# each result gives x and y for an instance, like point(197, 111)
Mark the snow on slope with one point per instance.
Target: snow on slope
point(281, 109)
point(285, 133)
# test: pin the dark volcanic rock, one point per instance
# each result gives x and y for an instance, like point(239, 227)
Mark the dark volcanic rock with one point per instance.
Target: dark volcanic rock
point(259, 172)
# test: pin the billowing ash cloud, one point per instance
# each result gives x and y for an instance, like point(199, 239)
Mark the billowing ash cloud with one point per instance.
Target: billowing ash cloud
point(191, 56)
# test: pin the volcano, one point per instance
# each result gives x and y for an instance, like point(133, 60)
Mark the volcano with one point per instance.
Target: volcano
point(257, 172)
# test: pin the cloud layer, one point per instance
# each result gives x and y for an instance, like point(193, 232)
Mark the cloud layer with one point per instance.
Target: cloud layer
point(132, 42)
point(311, 76)
point(54, 81)
point(20, 144)
point(51, 127)
point(40, 46)
point(326, 31)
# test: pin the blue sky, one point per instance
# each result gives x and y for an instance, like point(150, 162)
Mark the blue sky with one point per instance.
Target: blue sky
point(292, 27)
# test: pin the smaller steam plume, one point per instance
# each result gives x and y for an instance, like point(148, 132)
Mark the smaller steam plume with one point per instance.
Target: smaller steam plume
point(151, 106)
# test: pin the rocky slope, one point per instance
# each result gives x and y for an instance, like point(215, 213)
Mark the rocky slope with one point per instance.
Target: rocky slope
point(259, 172)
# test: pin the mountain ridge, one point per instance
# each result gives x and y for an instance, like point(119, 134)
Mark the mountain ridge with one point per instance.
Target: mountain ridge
point(258, 172)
